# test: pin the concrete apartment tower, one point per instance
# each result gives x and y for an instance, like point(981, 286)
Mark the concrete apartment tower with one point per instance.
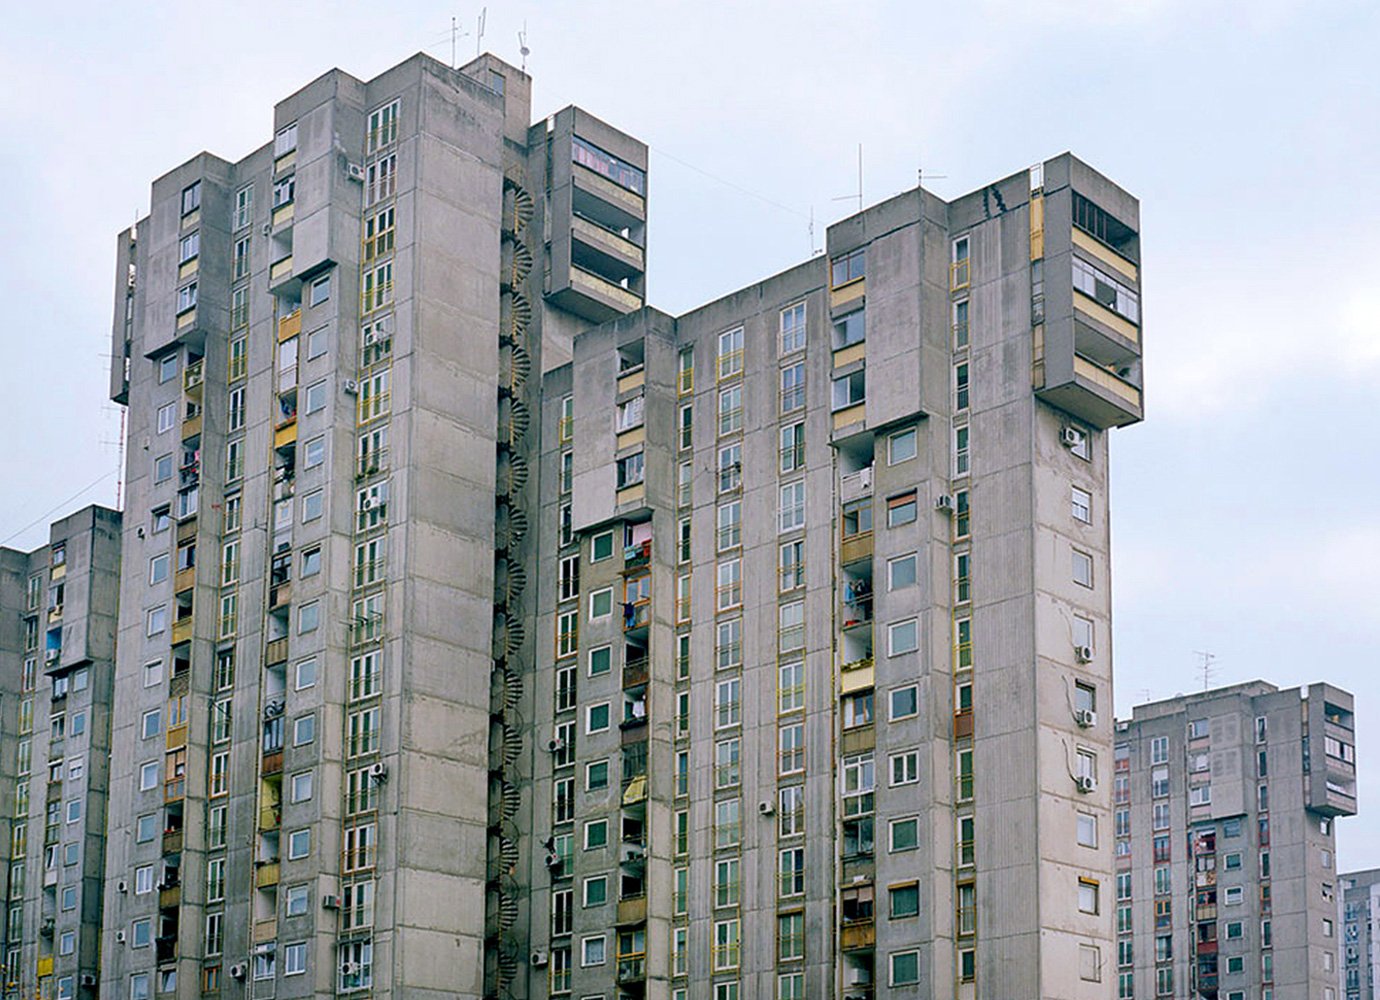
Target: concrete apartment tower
point(1360, 927)
point(526, 642)
point(824, 654)
point(57, 659)
point(330, 352)
point(1226, 884)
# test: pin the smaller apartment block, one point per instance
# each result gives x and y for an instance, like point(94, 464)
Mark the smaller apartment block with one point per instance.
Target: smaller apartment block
point(1226, 885)
point(1360, 910)
point(57, 649)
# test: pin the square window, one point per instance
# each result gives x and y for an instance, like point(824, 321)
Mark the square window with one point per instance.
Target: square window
point(901, 572)
point(148, 775)
point(162, 468)
point(900, 509)
point(904, 900)
point(304, 730)
point(1087, 830)
point(316, 397)
point(151, 724)
point(158, 568)
point(601, 603)
point(311, 562)
point(312, 505)
point(905, 968)
point(596, 775)
point(905, 834)
point(320, 290)
point(314, 453)
point(141, 933)
point(902, 637)
point(167, 417)
point(146, 828)
point(299, 844)
point(905, 768)
point(302, 787)
point(905, 702)
point(596, 891)
point(1087, 895)
point(596, 834)
point(592, 951)
point(297, 900)
point(902, 446)
point(167, 369)
point(306, 675)
point(597, 718)
point(309, 617)
point(295, 959)
point(317, 343)
point(600, 660)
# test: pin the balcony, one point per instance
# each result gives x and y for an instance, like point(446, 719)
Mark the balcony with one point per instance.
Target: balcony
point(855, 548)
point(182, 631)
point(170, 897)
point(637, 616)
point(265, 930)
point(272, 762)
point(632, 969)
point(266, 874)
point(855, 485)
point(172, 841)
point(270, 817)
point(280, 272)
point(276, 651)
point(607, 251)
point(184, 580)
point(630, 207)
point(177, 737)
point(857, 935)
point(636, 556)
point(614, 298)
point(635, 673)
point(632, 910)
point(290, 325)
point(856, 675)
point(280, 595)
point(285, 434)
point(191, 426)
point(1091, 392)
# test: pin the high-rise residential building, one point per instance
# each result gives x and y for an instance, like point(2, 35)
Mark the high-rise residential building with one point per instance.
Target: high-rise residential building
point(57, 658)
point(1360, 927)
point(824, 649)
point(330, 352)
point(522, 641)
point(1226, 879)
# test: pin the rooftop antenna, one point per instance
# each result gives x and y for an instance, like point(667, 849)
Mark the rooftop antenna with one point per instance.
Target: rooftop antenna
point(479, 36)
point(1207, 668)
point(859, 195)
point(522, 46)
point(920, 176)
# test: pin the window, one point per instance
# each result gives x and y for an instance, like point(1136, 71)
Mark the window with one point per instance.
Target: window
point(313, 505)
point(596, 891)
point(316, 397)
point(148, 775)
point(791, 508)
point(730, 467)
point(792, 447)
point(320, 290)
point(1082, 568)
point(601, 603)
point(902, 446)
point(900, 509)
point(631, 470)
point(191, 198)
point(1081, 504)
point(961, 387)
point(730, 359)
point(1232, 895)
point(1087, 830)
point(299, 844)
point(792, 565)
point(850, 390)
point(961, 463)
point(1159, 750)
point(597, 718)
point(592, 950)
point(295, 959)
point(960, 271)
point(793, 328)
point(905, 702)
point(309, 617)
point(1105, 290)
point(162, 468)
point(857, 709)
point(687, 425)
point(244, 206)
point(629, 414)
point(960, 324)
point(848, 267)
point(304, 729)
point(731, 410)
point(902, 637)
point(596, 834)
point(139, 981)
point(905, 968)
point(727, 831)
point(596, 775)
point(314, 452)
point(905, 767)
point(793, 387)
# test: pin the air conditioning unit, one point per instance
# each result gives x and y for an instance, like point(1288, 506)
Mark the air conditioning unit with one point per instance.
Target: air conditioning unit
point(944, 503)
point(555, 744)
point(378, 772)
point(1085, 717)
point(1085, 783)
point(88, 979)
point(268, 228)
point(351, 387)
point(538, 960)
point(1070, 437)
point(553, 861)
point(634, 857)
point(1083, 653)
point(366, 503)
point(119, 937)
point(238, 970)
point(329, 902)
point(355, 172)
point(765, 807)
point(349, 969)
point(122, 886)
point(370, 337)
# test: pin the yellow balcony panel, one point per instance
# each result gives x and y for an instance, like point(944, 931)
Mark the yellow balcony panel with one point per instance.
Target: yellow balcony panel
point(855, 548)
point(1096, 248)
point(55, 615)
point(184, 580)
point(1092, 309)
point(58, 572)
point(168, 898)
point(1037, 225)
point(633, 437)
point(285, 435)
point(631, 494)
point(177, 737)
point(191, 219)
point(852, 415)
point(290, 325)
point(267, 875)
point(632, 911)
point(265, 930)
point(859, 739)
point(601, 288)
point(44, 966)
point(182, 631)
point(607, 241)
point(191, 427)
point(270, 818)
point(854, 936)
point(847, 355)
point(847, 294)
point(172, 841)
point(685, 382)
point(629, 201)
point(186, 319)
point(632, 380)
point(1113, 383)
point(188, 269)
point(857, 676)
point(285, 162)
point(280, 270)
point(276, 651)
point(283, 214)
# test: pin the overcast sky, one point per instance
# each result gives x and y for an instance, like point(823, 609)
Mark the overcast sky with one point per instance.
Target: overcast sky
point(1244, 507)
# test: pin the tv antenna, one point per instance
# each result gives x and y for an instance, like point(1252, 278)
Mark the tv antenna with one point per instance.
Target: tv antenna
point(479, 34)
point(1207, 666)
point(920, 176)
point(859, 195)
point(455, 35)
point(522, 46)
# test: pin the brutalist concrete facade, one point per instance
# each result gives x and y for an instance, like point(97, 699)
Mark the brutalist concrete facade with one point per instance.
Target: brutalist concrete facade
point(825, 624)
point(1225, 846)
point(1360, 915)
point(330, 351)
point(57, 658)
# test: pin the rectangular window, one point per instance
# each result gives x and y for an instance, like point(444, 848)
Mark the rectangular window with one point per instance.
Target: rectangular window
point(1081, 505)
point(848, 267)
point(903, 637)
point(793, 328)
point(730, 356)
point(791, 508)
point(960, 387)
point(792, 447)
point(1082, 568)
point(850, 390)
point(961, 457)
point(793, 387)
point(731, 410)
point(244, 206)
point(901, 509)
